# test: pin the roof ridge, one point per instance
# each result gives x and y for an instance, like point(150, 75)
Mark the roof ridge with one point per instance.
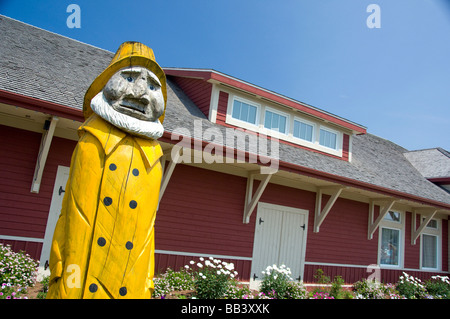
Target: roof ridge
point(443, 151)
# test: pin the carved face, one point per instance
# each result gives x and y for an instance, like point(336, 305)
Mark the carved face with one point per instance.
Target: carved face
point(135, 92)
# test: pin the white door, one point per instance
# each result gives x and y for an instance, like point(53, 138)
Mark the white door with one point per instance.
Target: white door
point(62, 175)
point(280, 238)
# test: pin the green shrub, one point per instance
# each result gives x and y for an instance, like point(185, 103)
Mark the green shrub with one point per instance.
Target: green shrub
point(277, 283)
point(438, 287)
point(172, 281)
point(371, 289)
point(411, 287)
point(212, 277)
point(17, 272)
point(17, 269)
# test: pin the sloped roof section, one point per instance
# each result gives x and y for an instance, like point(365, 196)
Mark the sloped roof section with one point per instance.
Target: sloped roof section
point(431, 163)
point(49, 67)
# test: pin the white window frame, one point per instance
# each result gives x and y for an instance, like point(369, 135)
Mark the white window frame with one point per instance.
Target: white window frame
point(247, 125)
point(400, 227)
point(288, 136)
point(298, 119)
point(273, 132)
point(436, 232)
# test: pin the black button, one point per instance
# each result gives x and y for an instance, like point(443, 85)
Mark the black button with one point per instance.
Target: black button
point(129, 245)
point(112, 167)
point(123, 291)
point(93, 288)
point(101, 241)
point(135, 172)
point(107, 201)
point(133, 204)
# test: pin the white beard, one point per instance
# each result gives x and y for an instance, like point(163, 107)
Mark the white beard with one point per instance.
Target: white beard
point(101, 107)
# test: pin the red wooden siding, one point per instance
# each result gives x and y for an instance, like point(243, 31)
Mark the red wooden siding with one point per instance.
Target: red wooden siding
point(345, 147)
point(198, 91)
point(201, 212)
point(222, 108)
point(204, 215)
point(23, 213)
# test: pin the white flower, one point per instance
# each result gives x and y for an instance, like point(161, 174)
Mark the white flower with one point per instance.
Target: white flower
point(202, 259)
point(199, 265)
point(186, 266)
point(229, 266)
point(192, 262)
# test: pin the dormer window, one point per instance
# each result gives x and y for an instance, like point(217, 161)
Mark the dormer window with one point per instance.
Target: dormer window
point(245, 111)
point(293, 127)
point(303, 130)
point(275, 121)
point(328, 138)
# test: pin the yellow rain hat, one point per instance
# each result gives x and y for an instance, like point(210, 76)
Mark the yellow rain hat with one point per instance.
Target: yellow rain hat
point(129, 54)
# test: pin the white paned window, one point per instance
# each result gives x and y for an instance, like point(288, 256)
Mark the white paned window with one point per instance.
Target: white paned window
point(275, 121)
point(429, 251)
point(390, 247)
point(285, 124)
point(303, 131)
point(244, 112)
point(328, 138)
point(430, 248)
point(391, 239)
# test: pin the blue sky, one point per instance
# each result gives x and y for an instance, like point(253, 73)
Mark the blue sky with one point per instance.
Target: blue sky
point(395, 80)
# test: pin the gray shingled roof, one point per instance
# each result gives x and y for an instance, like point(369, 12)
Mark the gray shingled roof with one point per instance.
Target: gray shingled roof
point(47, 66)
point(431, 163)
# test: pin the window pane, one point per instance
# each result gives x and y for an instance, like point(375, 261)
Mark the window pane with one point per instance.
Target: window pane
point(296, 132)
point(392, 216)
point(390, 239)
point(282, 124)
point(268, 120)
point(303, 130)
point(429, 251)
point(244, 112)
point(237, 110)
point(328, 139)
point(432, 224)
point(252, 114)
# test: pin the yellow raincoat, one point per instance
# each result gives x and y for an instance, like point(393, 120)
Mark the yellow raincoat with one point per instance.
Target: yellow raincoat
point(103, 245)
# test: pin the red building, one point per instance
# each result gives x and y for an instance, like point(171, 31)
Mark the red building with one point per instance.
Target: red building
point(261, 179)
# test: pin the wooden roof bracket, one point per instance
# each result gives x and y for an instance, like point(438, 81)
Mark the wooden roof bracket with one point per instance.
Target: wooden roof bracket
point(320, 214)
point(46, 141)
point(167, 173)
point(252, 199)
point(385, 206)
point(415, 233)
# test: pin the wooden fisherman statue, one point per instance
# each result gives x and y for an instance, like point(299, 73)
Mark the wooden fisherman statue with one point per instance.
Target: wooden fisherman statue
point(103, 245)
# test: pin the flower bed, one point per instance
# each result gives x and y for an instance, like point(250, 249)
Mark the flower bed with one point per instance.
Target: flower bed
point(211, 278)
